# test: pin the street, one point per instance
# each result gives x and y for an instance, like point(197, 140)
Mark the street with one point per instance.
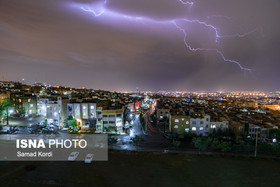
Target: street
point(154, 139)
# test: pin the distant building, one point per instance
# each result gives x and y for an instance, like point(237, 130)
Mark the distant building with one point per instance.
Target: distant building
point(179, 124)
point(84, 113)
point(135, 106)
point(263, 133)
point(162, 113)
point(113, 120)
point(4, 95)
point(216, 125)
point(56, 111)
point(25, 104)
point(238, 129)
point(42, 106)
point(200, 125)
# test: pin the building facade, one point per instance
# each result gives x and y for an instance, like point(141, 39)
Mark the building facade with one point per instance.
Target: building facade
point(179, 124)
point(200, 125)
point(113, 120)
point(84, 113)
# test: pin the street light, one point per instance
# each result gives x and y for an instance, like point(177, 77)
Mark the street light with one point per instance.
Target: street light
point(11, 111)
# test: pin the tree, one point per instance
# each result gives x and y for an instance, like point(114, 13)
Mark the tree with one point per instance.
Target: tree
point(215, 144)
point(106, 129)
point(45, 123)
point(6, 103)
point(71, 123)
point(126, 115)
point(188, 136)
point(176, 143)
point(225, 146)
point(137, 140)
point(4, 107)
point(112, 141)
point(173, 136)
point(200, 144)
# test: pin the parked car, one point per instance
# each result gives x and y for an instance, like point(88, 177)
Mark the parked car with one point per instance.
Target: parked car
point(73, 156)
point(89, 158)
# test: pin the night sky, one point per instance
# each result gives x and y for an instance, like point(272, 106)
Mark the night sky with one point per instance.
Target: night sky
point(134, 43)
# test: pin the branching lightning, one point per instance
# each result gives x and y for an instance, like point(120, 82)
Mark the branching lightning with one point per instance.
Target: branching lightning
point(92, 11)
point(187, 2)
point(209, 49)
point(102, 11)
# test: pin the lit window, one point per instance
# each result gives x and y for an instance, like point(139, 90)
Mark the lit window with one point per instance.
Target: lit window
point(213, 126)
point(176, 120)
point(92, 107)
point(193, 128)
point(201, 128)
point(31, 105)
point(187, 122)
point(187, 129)
point(176, 127)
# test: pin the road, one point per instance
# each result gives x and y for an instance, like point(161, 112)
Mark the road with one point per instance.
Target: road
point(22, 123)
point(154, 139)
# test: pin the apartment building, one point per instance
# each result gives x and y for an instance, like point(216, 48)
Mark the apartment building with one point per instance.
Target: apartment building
point(26, 104)
point(56, 110)
point(179, 124)
point(83, 111)
point(218, 125)
point(200, 124)
point(113, 120)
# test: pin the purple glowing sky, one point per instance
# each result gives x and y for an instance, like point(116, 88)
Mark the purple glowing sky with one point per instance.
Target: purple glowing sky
point(154, 45)
point(99, 10)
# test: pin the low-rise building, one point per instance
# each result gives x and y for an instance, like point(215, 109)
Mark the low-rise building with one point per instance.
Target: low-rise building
point(4, 95)
point(219, 125)
point(113, 120)
point(25, 104)
point(42, 106)
point(263, 133)
point(238, 129)
point(56, 111)
point(179, 124)
point(83, 112)
point(162, 113)
point(200, 125)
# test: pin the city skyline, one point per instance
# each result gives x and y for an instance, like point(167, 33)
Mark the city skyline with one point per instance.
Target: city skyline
point(129, 44)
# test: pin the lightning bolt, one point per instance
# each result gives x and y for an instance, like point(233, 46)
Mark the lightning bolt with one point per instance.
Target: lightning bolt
point(208, 49)
point(187, 2)
point(92, 11)
point(174, 22)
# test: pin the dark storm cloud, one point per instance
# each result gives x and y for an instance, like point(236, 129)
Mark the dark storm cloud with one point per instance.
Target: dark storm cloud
point(47, 41)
